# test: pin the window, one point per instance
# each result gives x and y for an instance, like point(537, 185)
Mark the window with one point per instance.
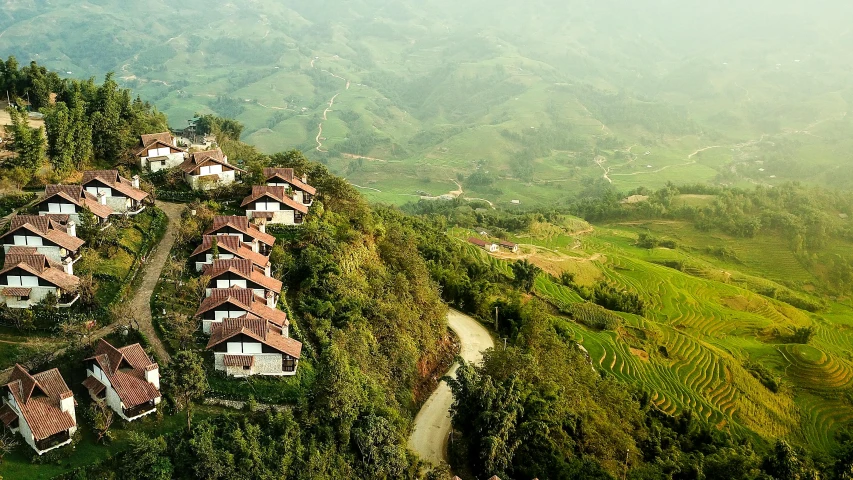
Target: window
point(246, 368)
point(28, 240)
point(99, 190)
point(288, 364)
point(297, 217)
point(235, 347)
point(252, 348)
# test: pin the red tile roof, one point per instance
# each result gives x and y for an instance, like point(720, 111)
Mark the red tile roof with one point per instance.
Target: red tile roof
point(238, 360)
point(94, 386)
point(275, 193)
point(17, 291)
point(78, 196)
point(477, 242)
point(243, 268)
point(198, 159)
point(112, 179)
point(153, 140)
point(129, 383)
point(242, 225)
point(244, 299)
point(46, 228)
point(28, 260)
point(232, 244)
point(258, 329)
point(286, 175)
point(38, 397)
point(507, 244)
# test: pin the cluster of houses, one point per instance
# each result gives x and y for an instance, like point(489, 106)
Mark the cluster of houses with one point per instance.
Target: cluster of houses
point(41, 249)
point(202, 170)
point(42, 408)
point(493, 247)
point(248, 334)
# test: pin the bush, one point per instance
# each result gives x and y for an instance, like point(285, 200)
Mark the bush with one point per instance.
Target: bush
point(763, 375)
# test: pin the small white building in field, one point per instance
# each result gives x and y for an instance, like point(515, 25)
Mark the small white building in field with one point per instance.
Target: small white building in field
point(125, 378)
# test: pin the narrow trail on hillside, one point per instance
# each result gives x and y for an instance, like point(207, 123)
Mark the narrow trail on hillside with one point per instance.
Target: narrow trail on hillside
point(432, 424)
point(319, 137)
point(141, 301)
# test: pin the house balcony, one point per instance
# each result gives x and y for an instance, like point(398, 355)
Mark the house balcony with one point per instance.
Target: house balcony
point(66, 300)
point(53, 441)
point(140, 410)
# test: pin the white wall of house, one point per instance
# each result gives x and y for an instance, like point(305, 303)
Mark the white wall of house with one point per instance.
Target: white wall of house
point(27, 433)
point(209, 259)
point(60, 207)
point(159, 158)
point(280, 217)
point(195, 182)
point(264, 364)
point(54, 253)
point(218, 316)
point(120, 204)
point(113, 400)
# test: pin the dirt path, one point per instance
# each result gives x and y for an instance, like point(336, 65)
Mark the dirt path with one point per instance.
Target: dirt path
point(432, 424)
point(141, 301)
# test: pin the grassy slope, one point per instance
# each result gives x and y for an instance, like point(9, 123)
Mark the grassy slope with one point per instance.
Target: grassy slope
point(702, 325)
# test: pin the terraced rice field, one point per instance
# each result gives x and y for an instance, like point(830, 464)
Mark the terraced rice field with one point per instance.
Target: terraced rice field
point(703, 324)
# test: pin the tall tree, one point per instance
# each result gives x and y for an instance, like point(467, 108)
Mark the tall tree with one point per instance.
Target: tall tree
point(186, 381)
point(60, 137)
point(29, 143)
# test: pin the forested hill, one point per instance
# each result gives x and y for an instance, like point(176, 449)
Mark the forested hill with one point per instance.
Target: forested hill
point(405, 97)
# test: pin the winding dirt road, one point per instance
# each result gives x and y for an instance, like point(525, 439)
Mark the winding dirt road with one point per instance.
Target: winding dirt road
point(432, 424)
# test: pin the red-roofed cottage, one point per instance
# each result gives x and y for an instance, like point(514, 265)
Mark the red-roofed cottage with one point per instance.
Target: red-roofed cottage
point(296, 186)
point(273, 205)
point(157, 151)
point(122, 195)
point(27, 277)
point(40, 407)
point(125, 377)
point(253, 346)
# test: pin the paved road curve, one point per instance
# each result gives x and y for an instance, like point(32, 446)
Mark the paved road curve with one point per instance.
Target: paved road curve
point(432, 424)
point(141, 301)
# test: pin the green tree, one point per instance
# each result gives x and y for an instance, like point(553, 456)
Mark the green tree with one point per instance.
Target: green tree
point(60, 137)
point(28, 143)
point(524, 274)
point(186, 381)
point(146, 458)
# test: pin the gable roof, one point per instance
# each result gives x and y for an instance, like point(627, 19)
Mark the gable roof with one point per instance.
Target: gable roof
point(27, 259)
point(241, 267)
point(131, 386)
point(198, 159)
point(276, 193)
point(153, 140)
point(505, 243)
point(478, 242)
point(45, 228)
point(242, 225)
point(286, 175)
point(55, 221)
point(38, 398)
point(112, 179)
point(232, 244)
point(78, 196)
point(244, 299)
point(258, 329)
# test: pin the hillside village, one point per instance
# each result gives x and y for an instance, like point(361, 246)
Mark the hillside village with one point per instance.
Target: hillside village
point(247, 333)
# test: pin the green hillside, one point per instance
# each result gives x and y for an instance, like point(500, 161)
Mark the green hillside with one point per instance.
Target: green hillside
point(538, 99)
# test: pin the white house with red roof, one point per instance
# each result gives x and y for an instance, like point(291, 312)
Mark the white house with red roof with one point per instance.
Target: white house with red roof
point(71, 200)
point(242, 228)
point(248, 346)
point(157, 151)
point(224, 247)
point(273, 205)
point(236, 302)
point(125, 378)
point(122, 195)
point(40, 407)
point(27, 277)
point(54, 236)
point(297, 186)
point(209, 169)
point(239, 272)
